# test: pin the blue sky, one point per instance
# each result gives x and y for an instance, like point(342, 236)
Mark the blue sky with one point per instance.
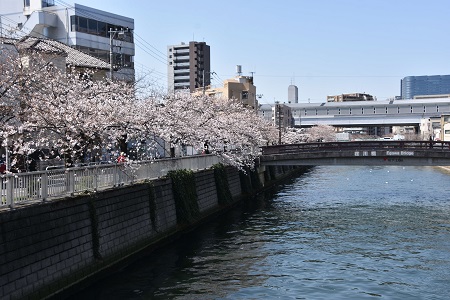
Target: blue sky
point(325, 47)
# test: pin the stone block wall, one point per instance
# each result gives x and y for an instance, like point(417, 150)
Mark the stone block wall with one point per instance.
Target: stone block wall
point(42, 244)
point(165, 211)
point(206, 190)
point(234, 181)
point(123, 218)
point(47, 247)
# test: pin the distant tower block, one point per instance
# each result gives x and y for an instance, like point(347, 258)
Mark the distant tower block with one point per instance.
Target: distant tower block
point(293, 94)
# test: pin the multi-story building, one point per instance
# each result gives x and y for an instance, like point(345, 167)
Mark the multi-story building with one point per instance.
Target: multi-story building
point(189, 66)
point(90, 30)
point(350, 97)
point(240, 88)
point(282, 116)
point(412, 86)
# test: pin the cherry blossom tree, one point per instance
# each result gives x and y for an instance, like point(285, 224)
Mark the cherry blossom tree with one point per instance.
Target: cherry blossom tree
point(220, 126)
point(322, 133)
point(76, 117)
point(318, 133)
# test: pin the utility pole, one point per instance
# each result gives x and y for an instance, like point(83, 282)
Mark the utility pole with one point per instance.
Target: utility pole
point(203, 83)
point(278, 116)
point(203, 79)
point(112, 34)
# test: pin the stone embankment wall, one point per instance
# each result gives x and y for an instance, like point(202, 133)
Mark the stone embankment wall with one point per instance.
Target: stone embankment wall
point(48, 248)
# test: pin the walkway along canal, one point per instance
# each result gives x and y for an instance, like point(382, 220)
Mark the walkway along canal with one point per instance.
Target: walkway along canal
point(50, 247)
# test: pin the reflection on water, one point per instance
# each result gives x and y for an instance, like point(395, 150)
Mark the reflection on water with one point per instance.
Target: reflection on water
point(334, 233)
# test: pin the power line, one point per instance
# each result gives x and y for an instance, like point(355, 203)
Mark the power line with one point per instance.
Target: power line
point(146, 47)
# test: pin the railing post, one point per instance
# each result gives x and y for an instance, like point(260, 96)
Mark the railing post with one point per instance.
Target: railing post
point(115, 175)
point(10, 191)
point(96, 178)
point(44, 186)
point(71, 181)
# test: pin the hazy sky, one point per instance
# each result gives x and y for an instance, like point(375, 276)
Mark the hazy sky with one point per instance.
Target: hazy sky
point(325, 47)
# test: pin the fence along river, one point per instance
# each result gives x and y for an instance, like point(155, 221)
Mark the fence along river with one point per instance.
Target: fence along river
point(337, 232)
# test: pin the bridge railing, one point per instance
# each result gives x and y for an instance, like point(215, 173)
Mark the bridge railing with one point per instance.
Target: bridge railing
point(30, 187)
point(356, 145)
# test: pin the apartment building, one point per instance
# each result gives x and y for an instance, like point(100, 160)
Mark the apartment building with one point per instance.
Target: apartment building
point(189, 66)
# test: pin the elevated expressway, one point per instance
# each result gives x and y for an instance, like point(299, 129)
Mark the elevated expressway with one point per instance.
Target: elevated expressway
point(379, 153)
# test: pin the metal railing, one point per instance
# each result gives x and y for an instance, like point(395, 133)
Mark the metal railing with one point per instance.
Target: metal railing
point(31, 187)
point(360, 145)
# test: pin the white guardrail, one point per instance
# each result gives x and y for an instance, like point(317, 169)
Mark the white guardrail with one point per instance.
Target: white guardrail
point(30, 187)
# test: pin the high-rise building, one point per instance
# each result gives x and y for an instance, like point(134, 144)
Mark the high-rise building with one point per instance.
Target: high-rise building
point(412, 86)
point(293, 94)
point(188, 66)
point(90, 30)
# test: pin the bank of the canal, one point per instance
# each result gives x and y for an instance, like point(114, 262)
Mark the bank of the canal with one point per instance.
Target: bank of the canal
point(53, 248)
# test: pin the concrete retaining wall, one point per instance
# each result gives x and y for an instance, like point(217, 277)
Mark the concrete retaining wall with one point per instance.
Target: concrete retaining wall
point(48, 247)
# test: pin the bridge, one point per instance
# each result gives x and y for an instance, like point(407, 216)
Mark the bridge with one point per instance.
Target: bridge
point(379, 153)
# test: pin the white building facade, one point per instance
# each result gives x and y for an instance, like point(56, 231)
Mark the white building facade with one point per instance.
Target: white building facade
point(90, 30)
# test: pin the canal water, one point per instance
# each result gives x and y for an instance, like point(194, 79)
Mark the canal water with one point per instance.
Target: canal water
point(334, 233)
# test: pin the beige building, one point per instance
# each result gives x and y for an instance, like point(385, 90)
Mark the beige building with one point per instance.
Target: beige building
point(350, 97)
point(240, 88)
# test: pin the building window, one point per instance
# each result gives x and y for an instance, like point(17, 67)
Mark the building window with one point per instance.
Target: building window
point(26, 3)
point(244, 95)
point(47, 3)
point(82, 24)
point(94, 27)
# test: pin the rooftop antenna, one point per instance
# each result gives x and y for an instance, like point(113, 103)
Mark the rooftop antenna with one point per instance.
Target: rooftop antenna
point(239, 70)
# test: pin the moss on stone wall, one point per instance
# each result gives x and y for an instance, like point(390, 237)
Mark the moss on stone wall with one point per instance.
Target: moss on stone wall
point(185, 195)
point(223, 189)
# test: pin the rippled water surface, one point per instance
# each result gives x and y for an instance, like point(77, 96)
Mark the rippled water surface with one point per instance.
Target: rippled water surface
point(333, 233)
